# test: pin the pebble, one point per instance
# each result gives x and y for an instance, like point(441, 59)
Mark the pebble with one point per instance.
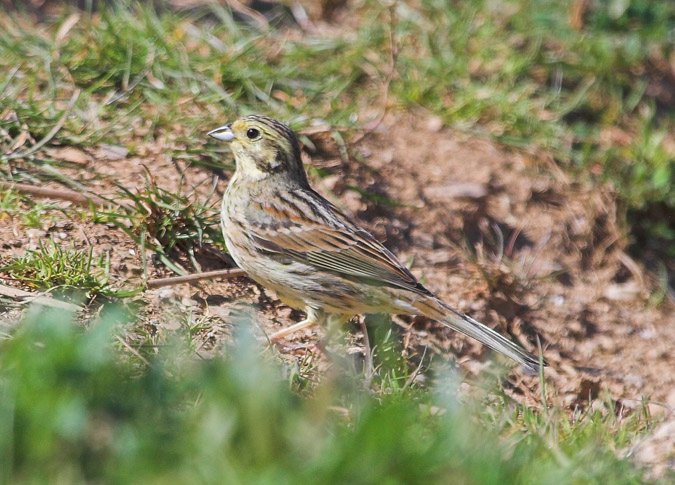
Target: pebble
point(622, 292)
point(457, 190)
point(634, 380)
point(434, 124)
point(166, 293)
point(35, 233)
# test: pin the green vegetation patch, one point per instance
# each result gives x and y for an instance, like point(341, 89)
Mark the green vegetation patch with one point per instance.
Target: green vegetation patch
point(62, 271)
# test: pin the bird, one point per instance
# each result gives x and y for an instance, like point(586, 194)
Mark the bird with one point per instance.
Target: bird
point(289, 238)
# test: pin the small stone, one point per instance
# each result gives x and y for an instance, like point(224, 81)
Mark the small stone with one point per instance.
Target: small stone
point(607, 343)
point(70, 154)
point(166, 293)
point(35, 233)
point(330, 181)
point(65, 225)
point(558, 300)
point(569, 400)
point(656, 450)
point(434, 124)
point(634, 380)
point(622, 292)
point(458, 190)
point(112, 152)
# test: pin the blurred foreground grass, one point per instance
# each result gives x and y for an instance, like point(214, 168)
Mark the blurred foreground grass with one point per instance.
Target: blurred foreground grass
point(74, 409)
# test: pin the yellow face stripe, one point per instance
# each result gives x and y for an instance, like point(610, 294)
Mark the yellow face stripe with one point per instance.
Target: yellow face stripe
point(275, 150)
point(271, 129)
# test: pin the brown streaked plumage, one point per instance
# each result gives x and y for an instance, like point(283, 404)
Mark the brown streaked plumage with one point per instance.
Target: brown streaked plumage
point(289, 238)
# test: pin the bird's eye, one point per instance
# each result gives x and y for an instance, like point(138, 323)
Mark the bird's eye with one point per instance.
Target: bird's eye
point(252, 133)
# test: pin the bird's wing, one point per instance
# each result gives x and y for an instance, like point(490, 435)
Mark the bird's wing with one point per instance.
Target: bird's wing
point(323, 237)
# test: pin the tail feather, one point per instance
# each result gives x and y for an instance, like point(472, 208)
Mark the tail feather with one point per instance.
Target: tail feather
point(436, 309)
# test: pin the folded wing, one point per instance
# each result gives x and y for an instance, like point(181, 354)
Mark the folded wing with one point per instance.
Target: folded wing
point(326, 239)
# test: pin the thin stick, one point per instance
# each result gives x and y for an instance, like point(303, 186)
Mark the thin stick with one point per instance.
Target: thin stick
point(36, 298)
point(207, 275)
point(59, 194)
point(15, 293)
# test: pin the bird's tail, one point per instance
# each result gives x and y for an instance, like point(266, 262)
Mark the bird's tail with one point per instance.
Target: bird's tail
point(434, 308)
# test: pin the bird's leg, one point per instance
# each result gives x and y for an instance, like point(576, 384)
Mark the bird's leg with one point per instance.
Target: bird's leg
point(314, 317)
point(369, 368)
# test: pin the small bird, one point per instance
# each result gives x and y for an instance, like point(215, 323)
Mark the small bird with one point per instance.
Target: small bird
point(290, 239)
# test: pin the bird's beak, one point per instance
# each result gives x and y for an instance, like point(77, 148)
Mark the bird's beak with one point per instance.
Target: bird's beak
point(224, 133)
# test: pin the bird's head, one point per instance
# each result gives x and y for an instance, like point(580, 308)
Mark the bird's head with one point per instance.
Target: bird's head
point(263, 147)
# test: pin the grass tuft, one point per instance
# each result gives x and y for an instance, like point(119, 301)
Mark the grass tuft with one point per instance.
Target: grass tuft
point(63, 271)
point(173, 225)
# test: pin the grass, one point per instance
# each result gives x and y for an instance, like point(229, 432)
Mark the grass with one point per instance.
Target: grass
point(590, 93)
point(32, 214)
point(169, 224)
point(236, 418)
point(63, 271)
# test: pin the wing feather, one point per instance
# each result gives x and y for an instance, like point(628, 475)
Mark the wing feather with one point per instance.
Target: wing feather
point(332, 244)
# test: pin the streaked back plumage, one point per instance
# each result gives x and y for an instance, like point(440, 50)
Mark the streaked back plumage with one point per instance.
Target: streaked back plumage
point(291, 239)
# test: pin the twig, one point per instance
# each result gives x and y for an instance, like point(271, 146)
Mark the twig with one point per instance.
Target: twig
point(15, 293)
point(55, 129)
point(59, 194)
point(54, 303)
point(36, 298)
point(207, 275)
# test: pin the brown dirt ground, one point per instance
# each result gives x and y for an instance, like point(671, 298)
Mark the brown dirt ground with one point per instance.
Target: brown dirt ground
point(505, 237)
